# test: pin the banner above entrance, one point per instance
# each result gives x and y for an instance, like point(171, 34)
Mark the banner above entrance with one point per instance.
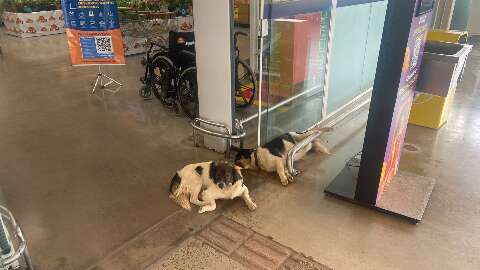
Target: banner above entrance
point(93, 32)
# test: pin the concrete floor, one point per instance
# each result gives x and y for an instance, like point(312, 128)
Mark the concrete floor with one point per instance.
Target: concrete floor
point(346, 236)
point(87, 176)
point(83, 173)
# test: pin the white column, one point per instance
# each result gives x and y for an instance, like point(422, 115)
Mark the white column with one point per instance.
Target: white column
point(474, 22)
point(213, 44)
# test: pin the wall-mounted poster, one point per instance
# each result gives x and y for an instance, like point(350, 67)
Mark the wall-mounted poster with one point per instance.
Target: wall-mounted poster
point(93, 32)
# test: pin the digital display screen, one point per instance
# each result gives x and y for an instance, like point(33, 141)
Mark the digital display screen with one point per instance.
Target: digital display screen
point(425, 6)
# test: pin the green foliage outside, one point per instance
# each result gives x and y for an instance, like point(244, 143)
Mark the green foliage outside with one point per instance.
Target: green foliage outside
point(154, 5)
point(27, 6)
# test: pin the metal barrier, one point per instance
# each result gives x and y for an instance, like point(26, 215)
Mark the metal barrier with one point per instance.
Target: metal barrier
point(355, 105)
point(336, 117)
point(8, 261)
point(283, 102)
point(225, 133)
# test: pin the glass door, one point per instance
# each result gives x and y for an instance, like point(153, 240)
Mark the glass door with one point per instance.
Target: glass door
point(293, 75)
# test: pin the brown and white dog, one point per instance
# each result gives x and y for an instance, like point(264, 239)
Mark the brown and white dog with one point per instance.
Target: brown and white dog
point(272, 157)
point(203, 183)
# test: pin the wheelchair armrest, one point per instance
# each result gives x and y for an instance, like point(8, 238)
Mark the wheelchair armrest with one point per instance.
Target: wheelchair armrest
point(187, 54)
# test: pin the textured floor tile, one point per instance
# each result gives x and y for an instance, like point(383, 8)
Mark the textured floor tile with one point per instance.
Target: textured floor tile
point(225, 235)
point(197, 255)
point(300, 262)
point(259, 252)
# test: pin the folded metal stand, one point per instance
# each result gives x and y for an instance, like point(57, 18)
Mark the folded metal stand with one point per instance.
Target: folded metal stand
point(100, 79)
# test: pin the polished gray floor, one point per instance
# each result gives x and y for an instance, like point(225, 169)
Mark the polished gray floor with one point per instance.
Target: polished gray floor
point(83, 173)
point(347, 236)
point(86, 176)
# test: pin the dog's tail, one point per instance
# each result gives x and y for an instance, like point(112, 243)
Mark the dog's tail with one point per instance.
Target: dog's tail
point(178, 193)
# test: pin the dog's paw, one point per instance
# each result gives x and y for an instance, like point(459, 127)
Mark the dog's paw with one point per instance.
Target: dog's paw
point(205, 209)
point(252, 206)
point(285, 182)
point(290, 178)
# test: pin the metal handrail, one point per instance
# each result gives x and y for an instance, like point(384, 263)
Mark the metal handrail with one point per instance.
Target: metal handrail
point(226, 134)
point(281, 103)
point(22, 248)
point(197, 121)
point(327, 122)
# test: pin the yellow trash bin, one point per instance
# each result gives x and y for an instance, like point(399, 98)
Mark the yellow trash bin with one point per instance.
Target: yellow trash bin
point(448, 36)
point(442, 67)
point(431, 110)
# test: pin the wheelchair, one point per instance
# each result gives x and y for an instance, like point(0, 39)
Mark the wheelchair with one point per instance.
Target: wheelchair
point(171, 74)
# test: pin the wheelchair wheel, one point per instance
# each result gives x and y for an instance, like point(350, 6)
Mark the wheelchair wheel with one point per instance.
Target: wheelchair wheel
point(161, 73)
point(188, 92)
point(145, 92)
point(245, 86)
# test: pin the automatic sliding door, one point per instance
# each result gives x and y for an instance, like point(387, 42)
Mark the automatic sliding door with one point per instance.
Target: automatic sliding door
point(294, 65)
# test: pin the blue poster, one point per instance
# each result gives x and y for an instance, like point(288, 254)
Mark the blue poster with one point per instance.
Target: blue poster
point(93, 32)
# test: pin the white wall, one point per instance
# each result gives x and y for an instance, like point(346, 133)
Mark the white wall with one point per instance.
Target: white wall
point(213, 19)
point(474, 23)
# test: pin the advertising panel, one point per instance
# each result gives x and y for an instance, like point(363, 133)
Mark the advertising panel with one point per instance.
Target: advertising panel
point(93, 32)
point(408, 81)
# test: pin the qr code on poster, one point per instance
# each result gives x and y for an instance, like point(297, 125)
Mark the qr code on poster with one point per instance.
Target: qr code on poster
point(103, 44)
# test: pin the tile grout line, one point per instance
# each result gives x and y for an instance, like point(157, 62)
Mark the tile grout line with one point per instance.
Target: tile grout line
point(252, 233)
point(236, 246)
point(149, 266)
point(284, 261)
point(243, 242)
point(263, 255)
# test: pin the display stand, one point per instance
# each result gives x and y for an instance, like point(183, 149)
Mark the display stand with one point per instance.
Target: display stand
point(375, 182)
point(99, 80)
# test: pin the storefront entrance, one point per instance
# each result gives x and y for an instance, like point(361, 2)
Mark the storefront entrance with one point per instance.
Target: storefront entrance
point(302, 58)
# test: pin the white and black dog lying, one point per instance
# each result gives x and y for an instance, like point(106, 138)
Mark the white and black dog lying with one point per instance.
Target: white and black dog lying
point(272, 157)
point(203, 183)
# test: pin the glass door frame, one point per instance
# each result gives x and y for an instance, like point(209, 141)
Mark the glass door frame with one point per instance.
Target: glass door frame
point(259, 30)
point(264, 24)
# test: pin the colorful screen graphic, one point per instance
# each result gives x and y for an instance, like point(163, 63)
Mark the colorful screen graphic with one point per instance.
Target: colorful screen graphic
point(93, 32)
